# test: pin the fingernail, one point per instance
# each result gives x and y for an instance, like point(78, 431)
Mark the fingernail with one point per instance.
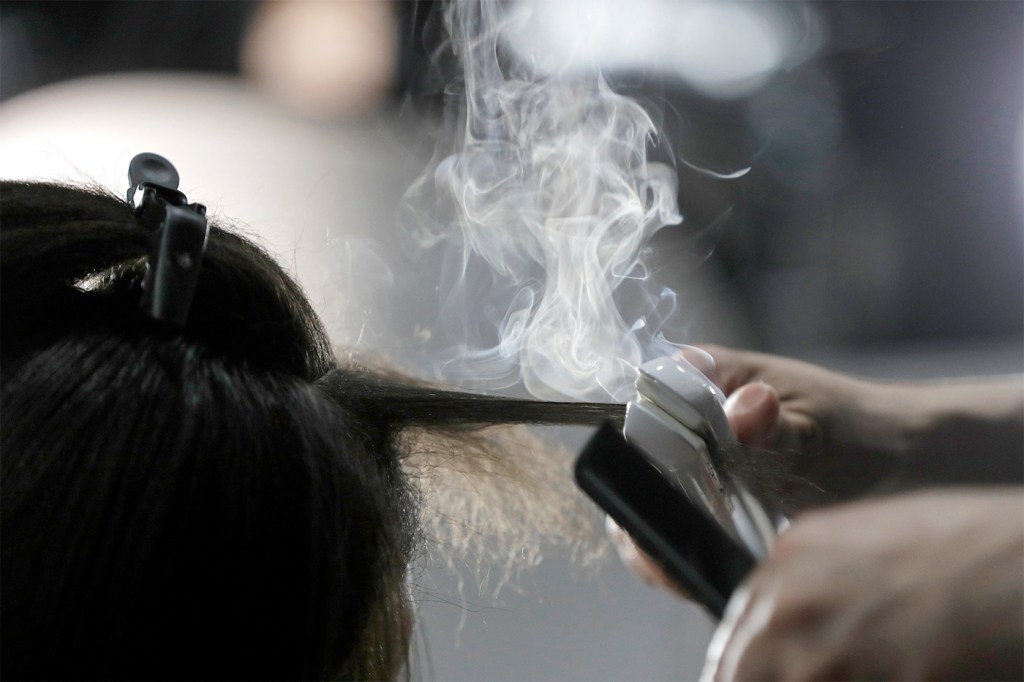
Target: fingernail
point(702, 360)
point(750, 398)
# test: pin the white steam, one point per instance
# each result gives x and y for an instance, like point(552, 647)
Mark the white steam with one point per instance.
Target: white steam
point(545, 199)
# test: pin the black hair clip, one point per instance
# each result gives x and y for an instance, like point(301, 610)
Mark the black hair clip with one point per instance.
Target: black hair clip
point(177, 240)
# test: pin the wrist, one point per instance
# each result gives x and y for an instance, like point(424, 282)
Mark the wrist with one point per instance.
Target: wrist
point(887, 421)
point(963, 432)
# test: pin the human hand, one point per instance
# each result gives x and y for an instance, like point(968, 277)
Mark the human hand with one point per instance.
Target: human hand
point(921, 586)
point(758, 418)
point(840, 434)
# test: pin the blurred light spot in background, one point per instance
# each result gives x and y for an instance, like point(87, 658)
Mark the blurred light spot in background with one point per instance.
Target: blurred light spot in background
point(323, 59)
point(722, 49)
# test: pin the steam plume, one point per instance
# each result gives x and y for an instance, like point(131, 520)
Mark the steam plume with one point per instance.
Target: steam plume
point(546, 199)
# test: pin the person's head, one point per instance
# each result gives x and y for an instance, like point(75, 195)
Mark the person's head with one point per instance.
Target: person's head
point(218, 501)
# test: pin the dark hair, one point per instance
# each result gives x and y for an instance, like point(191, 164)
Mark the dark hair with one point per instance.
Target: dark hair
point(221, 501)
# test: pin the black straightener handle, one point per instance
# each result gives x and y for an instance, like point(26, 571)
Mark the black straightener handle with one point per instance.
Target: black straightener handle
point(692, 548)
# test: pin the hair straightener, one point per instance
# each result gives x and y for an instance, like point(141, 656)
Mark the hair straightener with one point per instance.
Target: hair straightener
point(657, 479)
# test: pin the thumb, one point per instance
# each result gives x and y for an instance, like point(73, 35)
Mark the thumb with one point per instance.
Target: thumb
point(753, 412)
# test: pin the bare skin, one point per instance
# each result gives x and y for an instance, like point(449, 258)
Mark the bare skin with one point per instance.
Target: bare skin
point(913, 586)
point(849, 434)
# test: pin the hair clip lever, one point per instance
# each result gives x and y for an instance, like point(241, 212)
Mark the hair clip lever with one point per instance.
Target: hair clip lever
point(177, 240)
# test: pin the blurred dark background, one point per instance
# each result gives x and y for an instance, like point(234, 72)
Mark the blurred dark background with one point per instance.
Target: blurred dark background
point(885, 195)
point(884, 202)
